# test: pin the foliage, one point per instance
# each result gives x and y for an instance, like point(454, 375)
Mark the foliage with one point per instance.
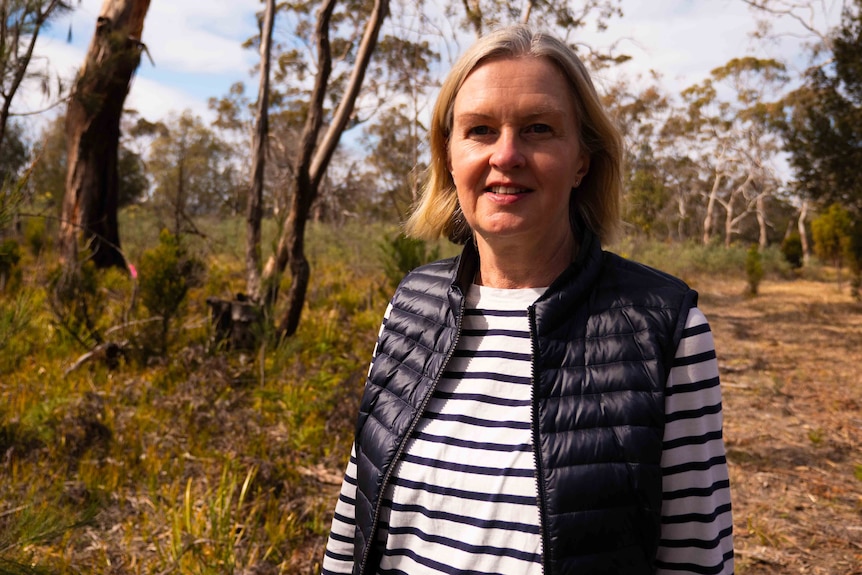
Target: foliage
point(22, 529)
point(10, 255)
point(192, 171)
point(16, 318)
point(166, 273)
point(645, 199)
point(823, 132)
point(48, 181)
point(791, 248)
point(76, 302)
point(753, 270)
point(14, 153)
point(20, 24)
point(831, 232)
point(216, 531)
point(36, 235)
point(402, 254)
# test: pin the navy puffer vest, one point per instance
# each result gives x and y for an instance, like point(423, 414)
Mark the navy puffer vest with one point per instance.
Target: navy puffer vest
point(603, 335)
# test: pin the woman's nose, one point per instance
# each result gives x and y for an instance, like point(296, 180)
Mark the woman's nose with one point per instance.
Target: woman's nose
point(507, 153)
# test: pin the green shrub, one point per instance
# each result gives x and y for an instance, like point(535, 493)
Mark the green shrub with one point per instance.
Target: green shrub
point(791, 249)
point(16, 317)
point(36, 236)
point(402, 254)
point(753, 269)
point(165, 275)
point(10, 273)
point(77, 305)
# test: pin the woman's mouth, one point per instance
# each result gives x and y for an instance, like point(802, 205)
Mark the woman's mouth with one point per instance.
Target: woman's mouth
point(506, 190)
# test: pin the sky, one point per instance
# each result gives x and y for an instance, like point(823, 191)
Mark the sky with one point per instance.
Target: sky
point(197, 53)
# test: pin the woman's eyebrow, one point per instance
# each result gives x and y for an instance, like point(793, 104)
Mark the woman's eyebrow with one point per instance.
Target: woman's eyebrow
point(538, 113)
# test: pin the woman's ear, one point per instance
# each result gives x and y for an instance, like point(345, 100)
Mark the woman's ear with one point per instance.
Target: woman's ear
point(583, 169)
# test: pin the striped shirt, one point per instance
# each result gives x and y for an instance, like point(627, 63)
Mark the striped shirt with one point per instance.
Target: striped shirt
point(463, 495)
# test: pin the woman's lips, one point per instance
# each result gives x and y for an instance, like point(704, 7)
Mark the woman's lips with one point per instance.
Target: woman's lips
point(506, 190)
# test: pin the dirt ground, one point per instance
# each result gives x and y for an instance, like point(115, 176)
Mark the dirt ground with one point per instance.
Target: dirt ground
point(791, 366)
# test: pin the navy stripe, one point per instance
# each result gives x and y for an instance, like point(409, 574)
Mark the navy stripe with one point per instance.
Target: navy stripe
point(696, 491)
point(695, 330)
point(508, 448)
point(698, 569)
point(716, 461)
point(442, 567)
point(464, 519)
point(693, 413)
point(492, 355)
point(697, 517)
point(692, 440)
point(342, 538)
point(464, 494)
point(693, 359)
point(475, 312)
point(346, 499)
point(346, 520)
point(460, 545)
point(694, 386)
point(698, 543)
point(478, 421)
point(339, 556)
point(504, 377)
point(481, 397)
point(462, 468)
point(492, 332)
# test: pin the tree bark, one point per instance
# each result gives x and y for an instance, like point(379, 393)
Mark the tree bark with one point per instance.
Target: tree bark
point(93, 133)
point(803, 234)
point(314, 158)
point(710, 208)
point(762, 224)
point(254, 206)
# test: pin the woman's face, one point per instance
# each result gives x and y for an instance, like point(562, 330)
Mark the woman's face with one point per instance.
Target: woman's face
point(515, 153)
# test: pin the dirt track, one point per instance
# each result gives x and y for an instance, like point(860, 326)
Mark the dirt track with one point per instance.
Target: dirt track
point(791, 365)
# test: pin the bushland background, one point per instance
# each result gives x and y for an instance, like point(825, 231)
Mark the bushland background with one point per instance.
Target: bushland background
point(143, 432)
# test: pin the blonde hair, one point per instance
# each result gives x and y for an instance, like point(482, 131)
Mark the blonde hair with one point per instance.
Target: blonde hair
point(597, 200)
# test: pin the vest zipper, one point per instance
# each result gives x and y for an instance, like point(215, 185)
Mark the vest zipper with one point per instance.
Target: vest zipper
point(376, 517)
point(537, 458)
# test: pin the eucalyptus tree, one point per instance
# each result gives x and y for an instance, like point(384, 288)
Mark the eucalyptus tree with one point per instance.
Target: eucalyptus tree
point(21, 22)
point(93, 133)
point(260, 134)
point(192, 172)
point(824, 124)
point(479, 16)
point(349, 35)
point(727, 125)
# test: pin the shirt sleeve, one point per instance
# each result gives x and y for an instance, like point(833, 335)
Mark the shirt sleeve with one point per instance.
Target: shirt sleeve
point(696, 522)
point(338, 558)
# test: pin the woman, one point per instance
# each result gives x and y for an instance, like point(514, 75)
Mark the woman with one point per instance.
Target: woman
point(535, 405)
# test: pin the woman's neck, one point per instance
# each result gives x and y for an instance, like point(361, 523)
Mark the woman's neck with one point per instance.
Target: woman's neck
point(515, 266)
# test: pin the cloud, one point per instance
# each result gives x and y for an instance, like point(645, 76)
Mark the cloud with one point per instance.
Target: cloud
point(197, 46)
point(196, 50)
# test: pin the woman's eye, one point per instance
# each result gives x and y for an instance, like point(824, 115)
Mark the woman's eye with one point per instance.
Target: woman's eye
point(479, 131)
point(539, 129)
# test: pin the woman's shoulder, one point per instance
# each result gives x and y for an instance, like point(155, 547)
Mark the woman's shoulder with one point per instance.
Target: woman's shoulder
point(642, 275)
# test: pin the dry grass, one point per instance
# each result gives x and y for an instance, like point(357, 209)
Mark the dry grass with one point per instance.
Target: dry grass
point(790, 361)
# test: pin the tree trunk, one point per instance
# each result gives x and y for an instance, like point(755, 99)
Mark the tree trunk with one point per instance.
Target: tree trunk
point(763, 240)
point(803, 234)
point(93, 134)
point(314, 158)
point(710, 209)
point(254, 209)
